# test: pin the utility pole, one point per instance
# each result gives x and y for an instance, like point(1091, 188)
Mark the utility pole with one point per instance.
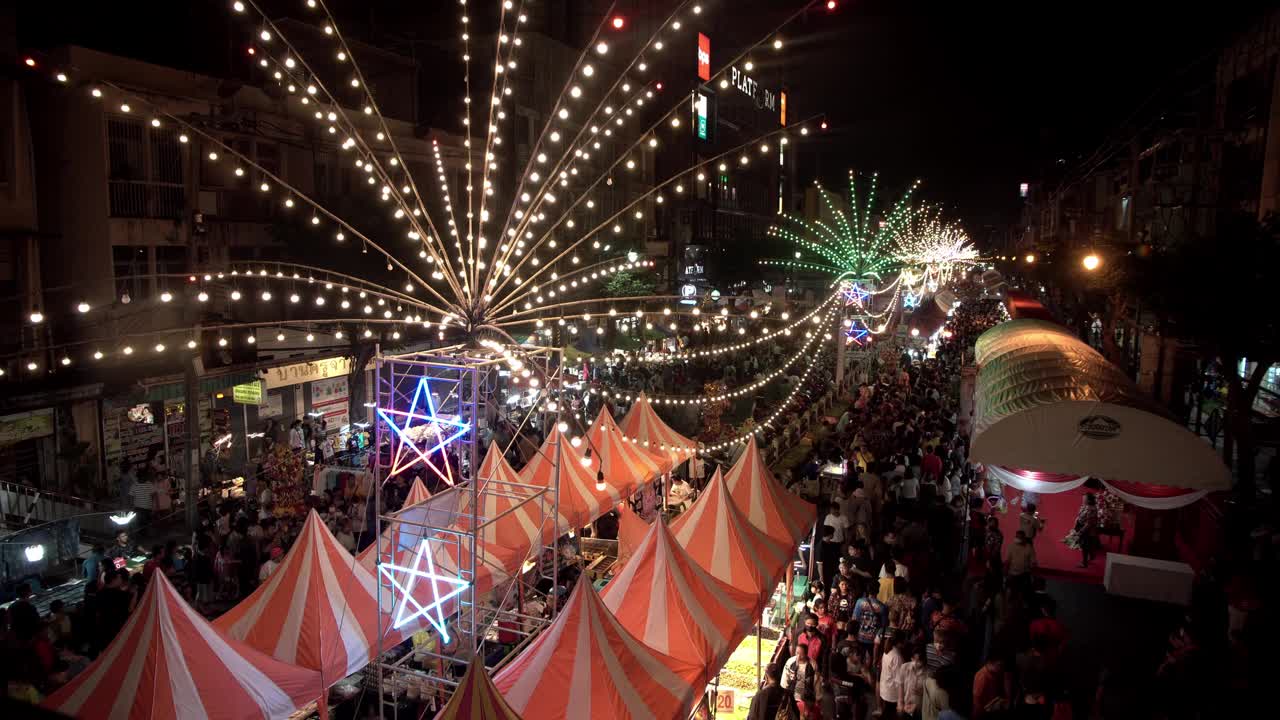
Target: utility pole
point(193, 368)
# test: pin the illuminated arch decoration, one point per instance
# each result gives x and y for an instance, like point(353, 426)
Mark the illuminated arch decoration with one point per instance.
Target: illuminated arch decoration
point(404, 578)
point(422, 434)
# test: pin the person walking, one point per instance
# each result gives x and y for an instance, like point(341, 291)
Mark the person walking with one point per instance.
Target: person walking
point(1086, 529)
point(890, 676)
point(764, 704)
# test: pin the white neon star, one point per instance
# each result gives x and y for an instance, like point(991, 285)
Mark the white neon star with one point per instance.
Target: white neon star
point(446, 431)
point(413, 572)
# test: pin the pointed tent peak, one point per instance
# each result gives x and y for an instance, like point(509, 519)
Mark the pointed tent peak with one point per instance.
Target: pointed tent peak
point(769, 506)
point(605, 418)
point(476, 698)
point(675, 606)
point(588, 656)
point(748, 461)
point(632, 530)
point(495, 466)
point(417, 493)
point(205, 672)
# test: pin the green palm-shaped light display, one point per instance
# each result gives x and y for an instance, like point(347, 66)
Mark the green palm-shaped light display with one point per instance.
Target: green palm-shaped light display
point(863, 243)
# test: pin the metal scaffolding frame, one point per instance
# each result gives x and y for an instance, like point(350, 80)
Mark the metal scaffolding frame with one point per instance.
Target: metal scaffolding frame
point(468, 385)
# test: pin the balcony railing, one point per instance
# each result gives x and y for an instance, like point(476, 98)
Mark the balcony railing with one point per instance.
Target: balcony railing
point(137, 199)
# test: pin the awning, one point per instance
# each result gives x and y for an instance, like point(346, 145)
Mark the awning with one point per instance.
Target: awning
point(1048, 402)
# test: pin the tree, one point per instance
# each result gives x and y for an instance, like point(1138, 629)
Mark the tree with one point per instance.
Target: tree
point(1217, 292)
point(629, 284)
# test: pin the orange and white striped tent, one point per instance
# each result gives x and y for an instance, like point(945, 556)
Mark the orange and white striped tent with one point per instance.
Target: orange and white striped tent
point(783, 515)
point(664, 598)
point(725, 543)
point(417, 493)
point(450, 553)
point(318, 610)
point(586, 665)
point(580, 501)
point(643, 425)
point(529, 520)
point(626, 463)
point(476, 698)
point(632, 530)
point(168, 662)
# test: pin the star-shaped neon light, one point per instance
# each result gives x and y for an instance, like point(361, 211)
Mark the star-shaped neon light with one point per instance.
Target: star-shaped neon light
point(432, 611)
point(910, 301)
point(426, 427)
point(854, 294)
point(857, 334)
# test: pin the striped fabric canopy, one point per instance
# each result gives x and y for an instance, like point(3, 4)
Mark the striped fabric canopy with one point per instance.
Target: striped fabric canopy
point(500, 491)
point(643, 424)
point(586, 665)
point(319, 609)
point(676, 607)
point(782, 515)
point(725, 543)
point(632, 530)
point(168, 662)
point(450, 554)
point(417, 493)
point(476, 698)
point(580, 501)
point(625, 463)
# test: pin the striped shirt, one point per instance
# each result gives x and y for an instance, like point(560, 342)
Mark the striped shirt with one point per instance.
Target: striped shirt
point(143, 495)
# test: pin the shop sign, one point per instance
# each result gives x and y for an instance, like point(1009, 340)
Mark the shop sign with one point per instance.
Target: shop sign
point(248, 393)
point(299, 373)
point(25, 426)
point(763, 97)
point(704, 57)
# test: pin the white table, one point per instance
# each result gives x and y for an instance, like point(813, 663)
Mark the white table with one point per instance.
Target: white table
point(1148, 579)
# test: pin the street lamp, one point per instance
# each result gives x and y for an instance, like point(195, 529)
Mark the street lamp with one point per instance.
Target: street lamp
point(1091, 262)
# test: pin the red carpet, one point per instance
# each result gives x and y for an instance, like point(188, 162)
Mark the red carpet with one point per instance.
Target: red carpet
point(1054, 557)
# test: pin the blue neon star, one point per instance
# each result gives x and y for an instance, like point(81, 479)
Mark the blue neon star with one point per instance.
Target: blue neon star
point(432, 611)
point(910, 301)
point(857, 333)
point(854, 294)
point(444, 429)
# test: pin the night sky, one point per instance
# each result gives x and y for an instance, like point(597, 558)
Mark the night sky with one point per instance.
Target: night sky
point(971, 97)
point(976, 97)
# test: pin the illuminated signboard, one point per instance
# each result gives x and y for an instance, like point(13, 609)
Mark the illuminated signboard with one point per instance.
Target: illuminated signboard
point(1023, 189)
point(763, 97)
point(782, 103)
point(701, 115)
point(704, 57)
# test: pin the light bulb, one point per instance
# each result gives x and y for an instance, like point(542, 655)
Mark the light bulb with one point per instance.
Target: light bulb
point(83, 307)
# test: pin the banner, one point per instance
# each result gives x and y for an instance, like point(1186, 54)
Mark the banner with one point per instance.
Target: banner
point(329, 400)
point(25, 426)
point(299, 373)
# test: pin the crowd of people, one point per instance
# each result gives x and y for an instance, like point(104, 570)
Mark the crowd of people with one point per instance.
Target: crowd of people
point(919, 607)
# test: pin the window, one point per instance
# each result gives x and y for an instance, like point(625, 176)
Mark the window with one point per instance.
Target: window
point(145, 170)
point(171, 260)
point(239, 198)
point(131, 265)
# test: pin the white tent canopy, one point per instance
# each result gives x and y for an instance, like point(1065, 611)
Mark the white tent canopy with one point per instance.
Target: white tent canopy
point(1049, 402)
